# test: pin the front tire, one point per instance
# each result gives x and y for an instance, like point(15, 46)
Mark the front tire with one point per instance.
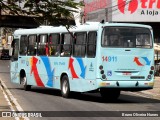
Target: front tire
point(24, 83)
point(65, 88)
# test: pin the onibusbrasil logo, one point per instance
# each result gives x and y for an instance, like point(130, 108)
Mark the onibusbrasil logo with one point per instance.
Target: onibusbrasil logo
point(132, 5)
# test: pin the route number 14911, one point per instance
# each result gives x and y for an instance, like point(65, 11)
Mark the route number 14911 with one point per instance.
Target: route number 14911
point(109, 58)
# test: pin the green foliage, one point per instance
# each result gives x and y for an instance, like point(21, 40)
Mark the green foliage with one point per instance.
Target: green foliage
point(48, 10)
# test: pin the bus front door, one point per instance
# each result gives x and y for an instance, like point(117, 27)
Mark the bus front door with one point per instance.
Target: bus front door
point(14, 62)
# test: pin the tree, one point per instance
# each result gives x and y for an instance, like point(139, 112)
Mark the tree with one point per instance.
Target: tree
point(50, 11)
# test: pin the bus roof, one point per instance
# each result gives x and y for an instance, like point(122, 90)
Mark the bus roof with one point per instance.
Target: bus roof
point(128, 24)
point(88, 26)
point(59, 29)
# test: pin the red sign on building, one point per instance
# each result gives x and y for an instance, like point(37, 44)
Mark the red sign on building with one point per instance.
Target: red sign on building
point(94, 5)
point(133, 5)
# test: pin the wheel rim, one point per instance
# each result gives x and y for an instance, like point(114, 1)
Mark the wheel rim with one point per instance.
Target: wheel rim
point(24, 81)
point(65, 87)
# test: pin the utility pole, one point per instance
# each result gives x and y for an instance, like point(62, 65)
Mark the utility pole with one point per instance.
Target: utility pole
point(84, 12)
point(1, 27)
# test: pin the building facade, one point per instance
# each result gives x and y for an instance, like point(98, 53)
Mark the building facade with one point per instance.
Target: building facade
point(131, 11)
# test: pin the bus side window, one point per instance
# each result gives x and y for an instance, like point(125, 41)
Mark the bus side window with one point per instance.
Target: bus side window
point(66, 44)
point(42, 45)
point(79, 48)
point(32, 47)
point(105, 38)
point(114, 40)
point(15, 46)
point(91, 44)
point(23, 45)
point(54, 47)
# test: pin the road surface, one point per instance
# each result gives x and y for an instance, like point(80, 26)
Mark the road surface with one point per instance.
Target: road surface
point(40, 99)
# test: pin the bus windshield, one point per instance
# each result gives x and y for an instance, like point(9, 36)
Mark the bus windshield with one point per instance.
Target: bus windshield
point(126, 37)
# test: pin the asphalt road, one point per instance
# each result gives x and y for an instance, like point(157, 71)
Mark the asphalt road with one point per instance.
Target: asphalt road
point(40, 99)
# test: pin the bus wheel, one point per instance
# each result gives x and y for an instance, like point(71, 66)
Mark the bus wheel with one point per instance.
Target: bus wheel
point(65, 89)
point(110, 94)
point(24, 83)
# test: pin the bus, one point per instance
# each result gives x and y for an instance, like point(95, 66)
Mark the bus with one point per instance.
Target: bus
point(102, 57)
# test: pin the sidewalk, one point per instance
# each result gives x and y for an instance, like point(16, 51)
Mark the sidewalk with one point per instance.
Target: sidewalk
point(155, 92)
point(3, 102)
point(4, 105)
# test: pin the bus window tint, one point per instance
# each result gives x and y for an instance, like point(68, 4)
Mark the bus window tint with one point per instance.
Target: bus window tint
point(42, 45)
point(91, 44)
point(15, 46)
point(23, 45)
point(143, 40)
point(126, 37)
point(54, 44)
point(32, 47)
point(105, 39)
point(66, 44)
point(80, 44)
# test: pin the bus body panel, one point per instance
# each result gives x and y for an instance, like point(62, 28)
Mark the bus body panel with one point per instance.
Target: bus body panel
point(14, 66)
point(127, 66)
point(46, 72)
point(122, 64)
point(14, 72)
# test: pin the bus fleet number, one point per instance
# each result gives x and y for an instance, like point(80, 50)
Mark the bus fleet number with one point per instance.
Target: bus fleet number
point(109, 58)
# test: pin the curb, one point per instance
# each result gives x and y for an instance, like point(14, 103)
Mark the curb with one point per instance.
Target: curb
point(11, 100)
point(154, 96)
point(151, 92)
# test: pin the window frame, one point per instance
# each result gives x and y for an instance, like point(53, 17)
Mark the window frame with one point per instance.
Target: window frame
point(95, 44)
point(84, 44)
point(32, 45)
point(62, 44)
point(57, 45)
point(38, 44)
point(15, 51)
point(26, 44)
point(136, 27)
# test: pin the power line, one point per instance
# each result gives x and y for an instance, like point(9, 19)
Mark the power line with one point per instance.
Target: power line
point(112, 8)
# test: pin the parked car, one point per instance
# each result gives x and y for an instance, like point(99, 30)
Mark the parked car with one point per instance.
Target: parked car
point(4, 54)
